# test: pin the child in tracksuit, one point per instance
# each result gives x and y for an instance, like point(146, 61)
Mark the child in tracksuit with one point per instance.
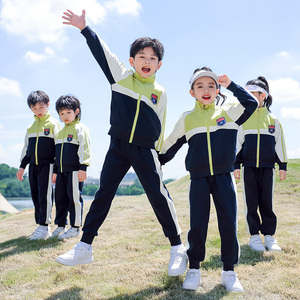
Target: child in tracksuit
point(73, 156)
point(39, 153)
point(138, 110)
point(260, 145)
point(210, 131)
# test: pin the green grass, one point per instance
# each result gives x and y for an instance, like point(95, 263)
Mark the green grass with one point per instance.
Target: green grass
point(131, 254)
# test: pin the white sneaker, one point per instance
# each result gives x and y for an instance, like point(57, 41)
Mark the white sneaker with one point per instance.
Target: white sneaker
point(59, 230)
point(271, 243)
point(178, 260)
point(192, 279)
point(82, 253)
point(230, 281)
point(72, 232)
point(41, 233)
point(256, 243)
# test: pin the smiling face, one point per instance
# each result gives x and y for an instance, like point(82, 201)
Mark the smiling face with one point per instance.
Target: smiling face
point(39, 109)
point(204, 90)
point(68, 115)
point(145, 62)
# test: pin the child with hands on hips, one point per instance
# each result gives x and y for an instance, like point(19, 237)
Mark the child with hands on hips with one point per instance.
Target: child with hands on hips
point(260, 145)
point(210, 130)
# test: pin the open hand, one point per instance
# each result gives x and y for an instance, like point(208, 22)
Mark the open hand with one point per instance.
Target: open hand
point(75, 20)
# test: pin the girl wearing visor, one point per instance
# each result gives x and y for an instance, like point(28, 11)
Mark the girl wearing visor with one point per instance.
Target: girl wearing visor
point(260, 145)
point(210, 130)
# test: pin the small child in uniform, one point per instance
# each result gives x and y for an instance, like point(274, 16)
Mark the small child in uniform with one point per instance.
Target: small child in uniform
point(73, 156)
point(260, 145)
point(39, 153)
point(210, 131)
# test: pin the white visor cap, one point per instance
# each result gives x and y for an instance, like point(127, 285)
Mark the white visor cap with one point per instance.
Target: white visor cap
point(203, 73)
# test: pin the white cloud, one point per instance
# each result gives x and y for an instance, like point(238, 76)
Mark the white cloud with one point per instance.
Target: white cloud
point(285, 89)
point(38, 57)
point(38, 20)
point(124, 7)
point(284, 54)
point(9, 87)
point(291, 112)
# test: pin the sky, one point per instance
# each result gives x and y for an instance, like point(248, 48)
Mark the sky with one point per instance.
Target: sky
point(243, 39)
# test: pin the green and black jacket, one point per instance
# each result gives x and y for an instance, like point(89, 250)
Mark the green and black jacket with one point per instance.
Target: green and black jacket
point(210, 131)
point(138, 105)
point(72, 148)
point(39, 146)
point(260, 142)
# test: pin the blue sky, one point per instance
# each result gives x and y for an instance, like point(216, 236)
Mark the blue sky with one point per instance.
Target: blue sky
point(243, 39)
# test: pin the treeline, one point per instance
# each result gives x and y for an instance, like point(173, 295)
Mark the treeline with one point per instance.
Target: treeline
point(10, 186)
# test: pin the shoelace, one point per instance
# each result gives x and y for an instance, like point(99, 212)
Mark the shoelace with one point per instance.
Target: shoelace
point(191, 275)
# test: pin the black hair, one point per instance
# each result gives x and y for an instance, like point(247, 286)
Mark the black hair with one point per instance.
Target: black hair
point(141, 43)
point(68, 102)
point(37, 96)
point(263, 83)
point(220, 95)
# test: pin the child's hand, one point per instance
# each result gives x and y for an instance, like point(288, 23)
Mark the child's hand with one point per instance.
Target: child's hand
point(224, 80)
point(82, 176)
point(282, 174)
point(75, 20)
point(237, 174)
point(54, 177)
point(20, 174)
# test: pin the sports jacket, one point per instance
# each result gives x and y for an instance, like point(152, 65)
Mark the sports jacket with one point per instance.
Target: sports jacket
point(72, 148)
point(261, 142)
point(210, 132)
point(39, 146)
point(138, 105)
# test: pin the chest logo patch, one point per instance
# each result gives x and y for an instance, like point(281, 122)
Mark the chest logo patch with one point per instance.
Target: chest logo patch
point(46, 131)
point(221, 121)
point(70, 137)
point(154, 98)
point(271, 128)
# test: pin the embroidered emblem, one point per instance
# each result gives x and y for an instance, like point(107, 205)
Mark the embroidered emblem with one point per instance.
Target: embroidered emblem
point(271, 128)
point(46, 131)
point(70, 137)
point(221, 121)
point(154, 98)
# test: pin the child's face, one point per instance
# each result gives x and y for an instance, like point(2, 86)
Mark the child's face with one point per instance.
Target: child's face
point(205, 90)
point(145, 62)
point(39, 109)
point(68, 115)
point(260, 97)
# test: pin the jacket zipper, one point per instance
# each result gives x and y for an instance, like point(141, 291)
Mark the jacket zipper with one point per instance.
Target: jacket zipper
point(36, 143)
point(61, 149)
point(135, 118)
point(258, 140)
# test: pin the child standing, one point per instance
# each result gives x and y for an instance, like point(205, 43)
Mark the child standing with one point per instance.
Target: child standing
point(39, 153)
point(210, 131)
point(73, 156)
point(260, 145)
point(137, 120)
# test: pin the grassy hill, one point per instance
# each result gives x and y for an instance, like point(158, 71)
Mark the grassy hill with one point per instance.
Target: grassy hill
point(131, 254)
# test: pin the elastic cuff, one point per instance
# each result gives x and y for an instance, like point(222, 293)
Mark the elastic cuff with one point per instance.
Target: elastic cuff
point(175, 240)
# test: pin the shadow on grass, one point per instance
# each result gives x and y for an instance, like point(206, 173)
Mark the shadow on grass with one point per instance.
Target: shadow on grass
point(72, 293)
point(247, 257)
point(23, 244)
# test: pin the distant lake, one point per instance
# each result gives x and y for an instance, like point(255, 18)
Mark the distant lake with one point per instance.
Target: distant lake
point(26, 203)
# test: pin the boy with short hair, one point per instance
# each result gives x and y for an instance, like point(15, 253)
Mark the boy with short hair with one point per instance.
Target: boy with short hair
point(137, 120)
point(73, 156)
point(39, 153)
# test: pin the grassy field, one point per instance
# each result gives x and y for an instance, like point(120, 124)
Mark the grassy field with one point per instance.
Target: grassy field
point(131, 254)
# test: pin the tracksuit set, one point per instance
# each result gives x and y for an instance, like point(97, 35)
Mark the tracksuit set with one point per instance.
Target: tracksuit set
point(260, 145)
point(138, 112)
point(39, 153)
point(72, 148)
point(210, 131)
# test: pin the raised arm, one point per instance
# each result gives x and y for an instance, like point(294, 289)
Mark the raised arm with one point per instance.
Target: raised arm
point(74, 20)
